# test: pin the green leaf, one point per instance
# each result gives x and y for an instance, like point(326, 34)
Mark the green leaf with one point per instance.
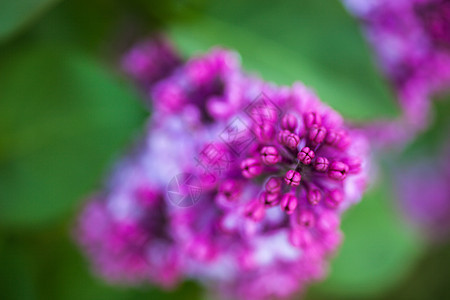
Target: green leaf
point(75, 278)
point(63, 116)
point(16, 14)
point(17, 274)
point(313, 41)
point(432, 141)
point(378, 250)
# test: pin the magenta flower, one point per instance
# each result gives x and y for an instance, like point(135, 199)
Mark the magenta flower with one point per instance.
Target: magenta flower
point(412, 41)
point(125, 230)
point(151, 61)
point(255, 178)
point(424, 193)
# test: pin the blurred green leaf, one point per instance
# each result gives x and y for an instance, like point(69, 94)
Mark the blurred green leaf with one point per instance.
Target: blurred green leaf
point(434, 139)
point(377, 252)
point(17, 274)
point(62, 116)
point(75, 279)
point(15, 14)
point(313, 41)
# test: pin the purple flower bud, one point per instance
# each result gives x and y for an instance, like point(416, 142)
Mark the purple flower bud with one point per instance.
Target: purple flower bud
point(306, 155)
point(314, 196)
point(230, 189)
point(317, 134)
point(331, 137)
point(289, 122)
point(269, 199)
point(312, 118)
point(265, 132)
point(292, 141)
point(338, 139)
point(273, 185)
point(151, 61)
point(288, 203)
point(282, 136)
point(255, 210)
point(292, 178)
point(269, 155)
point(251, 167)
point(338, 170)
point(321, 164)
point(334, 198)
point(354, 164)
point(306, 219)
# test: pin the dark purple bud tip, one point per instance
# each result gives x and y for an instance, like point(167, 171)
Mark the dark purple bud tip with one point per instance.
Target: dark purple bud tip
point(282, 136)
point(230, 189)
point(321, 164)
point(292, 141)
point(269, 155)
point(314, 196)
point(306, 155)
point(306, 219)
point(269, 199)
point(255, 210)
point(265, 132)
point(334, 198)
point(338, 170)
point(317, 134)
point(273, 185)
point(251, 167)
point(292, 178)
point(289, 122)
point(288, 203)
point(312, 118)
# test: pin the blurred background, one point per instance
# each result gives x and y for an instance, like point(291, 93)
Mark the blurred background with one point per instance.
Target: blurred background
point(67, 112)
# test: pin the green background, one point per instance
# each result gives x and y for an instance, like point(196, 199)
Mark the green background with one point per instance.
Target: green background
point(67, 112)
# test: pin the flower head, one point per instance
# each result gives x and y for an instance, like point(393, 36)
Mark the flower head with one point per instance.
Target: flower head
point(126, 230)
point(271, 168)
point(412, 43)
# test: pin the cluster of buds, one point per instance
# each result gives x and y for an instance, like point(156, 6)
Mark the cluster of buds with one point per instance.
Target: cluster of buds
point(267, 171)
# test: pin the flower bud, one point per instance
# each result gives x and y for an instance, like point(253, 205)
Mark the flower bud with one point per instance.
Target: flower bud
point(251, 167)
point(292, 178)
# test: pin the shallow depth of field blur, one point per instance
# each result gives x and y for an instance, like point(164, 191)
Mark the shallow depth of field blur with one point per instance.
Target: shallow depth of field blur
point(67, 112)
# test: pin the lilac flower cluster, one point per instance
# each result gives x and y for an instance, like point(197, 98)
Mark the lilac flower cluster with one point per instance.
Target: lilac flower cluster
point(271, 169)
point(424, 195)
point(412, 41)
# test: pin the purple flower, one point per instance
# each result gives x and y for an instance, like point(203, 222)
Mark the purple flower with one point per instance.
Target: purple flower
point(424, 193)
point(270, 169)
point(125, 230)
point(151, 61)
point(210, 86)
point(278, 194)
point(412, 42)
